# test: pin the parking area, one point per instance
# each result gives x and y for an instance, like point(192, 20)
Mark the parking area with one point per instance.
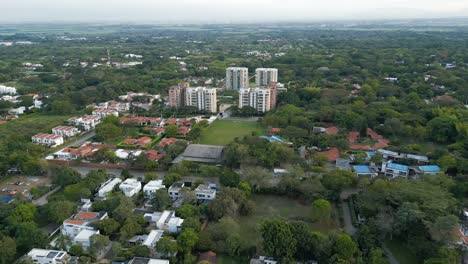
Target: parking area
point(22, 185)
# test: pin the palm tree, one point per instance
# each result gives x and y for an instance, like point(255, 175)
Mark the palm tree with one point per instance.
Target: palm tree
point(63, 242)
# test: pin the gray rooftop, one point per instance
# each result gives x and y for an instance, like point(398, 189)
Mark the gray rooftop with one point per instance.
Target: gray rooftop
point(202, 153)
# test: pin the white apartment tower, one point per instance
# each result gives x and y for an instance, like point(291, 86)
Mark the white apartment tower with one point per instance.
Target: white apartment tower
point(237, 78)
point(258, 98)
point(201, 97)
point(265, 76)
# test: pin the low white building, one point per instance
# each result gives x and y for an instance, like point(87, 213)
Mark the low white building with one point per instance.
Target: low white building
point(47, 256)
point(7, 90)
point(152, 187)
point(105, 112)
point(148, 261)
point(65, 131)
point(84, 238)
point(127, 153)
point(153, 238)
point(50, 140)
point(130, 187)
point(81, 221)
point(174, 190)
point(166, 221)
point(107, 187)
point(17, 111)
point(86, 122)
point(206, 191)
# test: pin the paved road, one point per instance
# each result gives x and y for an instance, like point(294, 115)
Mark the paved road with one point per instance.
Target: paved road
point(43, 199)
point(391, 258)
point(140, 174)
point(350, 229)
point(81, 140)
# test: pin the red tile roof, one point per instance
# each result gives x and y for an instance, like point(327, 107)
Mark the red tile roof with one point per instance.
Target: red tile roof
point(353, 136)
point(86, 215)
point(331, 131)
point(167, 141)
point(332, 154)
point(74, 222)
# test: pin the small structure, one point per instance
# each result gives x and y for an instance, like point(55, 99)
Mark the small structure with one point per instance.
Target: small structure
point(206, 192)
point(427, 169)
point(152, 187)
point(343, 164)
point(86, 122)
point(105, 112)
point(140, 142)
point(127, 153)
point(394, 170)
point(79, 227)
point(263, 260)
point(167, 142)
point(202, 153)
point(149, 240)
point(130, 187)
point(47, 256)
point(108, 186)
point(84, 238)
point(166, 221)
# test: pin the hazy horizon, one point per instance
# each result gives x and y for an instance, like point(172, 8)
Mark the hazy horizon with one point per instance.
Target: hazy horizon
point(223, 11)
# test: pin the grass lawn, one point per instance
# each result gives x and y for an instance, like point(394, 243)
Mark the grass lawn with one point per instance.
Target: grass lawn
point(28, 125)
point(276, 207)
point(223, 132)
point(401, 252)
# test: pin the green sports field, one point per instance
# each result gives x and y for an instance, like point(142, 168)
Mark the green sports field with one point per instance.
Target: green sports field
point(223, 132)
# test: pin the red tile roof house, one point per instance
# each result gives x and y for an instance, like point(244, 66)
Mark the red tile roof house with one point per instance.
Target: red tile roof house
point(141, 142)
point(153, 155)
point(171, 121)
point(331, 131)
point(183, 130)
point(167, 141)
point(332, 154)
point(65, 131)
point(274, 131)
point(156, 130)
point(50, 140)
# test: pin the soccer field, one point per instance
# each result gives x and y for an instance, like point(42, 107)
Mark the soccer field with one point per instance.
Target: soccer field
point(223, 132)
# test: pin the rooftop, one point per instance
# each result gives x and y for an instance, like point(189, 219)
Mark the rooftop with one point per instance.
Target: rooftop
point(202, 153)
point(362, 169)
point(396, 166)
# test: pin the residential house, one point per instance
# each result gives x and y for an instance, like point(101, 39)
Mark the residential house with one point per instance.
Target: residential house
point(107, 187)
point(152, 187)
point(86, 122)
point(174, 190)
point(140, 142)
point(183, 130)
point(167, 142)
point(209, 257)
point(105, 112)
point(79, 227)
point(166, 221)
point(127, 153)
point(48, 256)
point(149, 240)
point(394, 170)
point(65, 131)
point(426, 169)
point(130, 187)
point(17, 111)
point(49, 140)
point(206, 192)
point(84, 238)
point(363, 170)
point(263, 260)
point(120, 107)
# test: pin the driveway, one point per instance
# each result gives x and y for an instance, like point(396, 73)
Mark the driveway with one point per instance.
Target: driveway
point(350, 229)
point(139, 174)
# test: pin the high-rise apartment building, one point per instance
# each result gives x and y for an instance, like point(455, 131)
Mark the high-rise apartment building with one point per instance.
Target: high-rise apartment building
point(265, 76)
point(177, 94)
point(262, 99)
point(201, 97)
point(237, 78)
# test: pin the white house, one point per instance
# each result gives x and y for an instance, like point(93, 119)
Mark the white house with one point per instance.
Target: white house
point(152, 187)
point(17, 111)
point(130, 187)
point(148, 261)
point(7, 90)
point(50, 140)
point(47, 256)
point(174, 190)
point(394, 170)
point(108, 186)
point(206, 192)
point(84, 238)
point(153, 238)
point(105, 112)
point(166, 221)
point(65, 131)
point(81, 221)
point(86, 122)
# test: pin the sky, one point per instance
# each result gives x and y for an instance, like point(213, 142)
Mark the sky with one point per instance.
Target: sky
point(230, 11)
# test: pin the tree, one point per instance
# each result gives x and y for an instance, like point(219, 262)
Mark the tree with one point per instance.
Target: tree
point(130, 228)
point(336, 180)
point(63, 242)
point(443, 229)
point(442, 129)
point(186, 211)
point(161, 200)
point(187, 240)
point(64, 176)
point(345, 248)
point(107, 131)
point(28, 236)
point(171, 131)
point(59, 210)
point(192, 223)
point(97, 244)
point(77, 250)
point(321, 210)
point(171, 178)
point(22, 213)
point(107, 226)
point(8, 252)
point(376, 256)
point(229, 179)
point(167, 246)
point(278, 240)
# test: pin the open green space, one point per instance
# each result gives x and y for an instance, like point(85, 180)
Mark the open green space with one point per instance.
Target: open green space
point(401, 252)
point(28, 125)
point(281, 208)
point(223, 132)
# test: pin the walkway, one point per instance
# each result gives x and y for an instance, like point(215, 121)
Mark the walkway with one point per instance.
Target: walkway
point(350, 229)
point(43, 199)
